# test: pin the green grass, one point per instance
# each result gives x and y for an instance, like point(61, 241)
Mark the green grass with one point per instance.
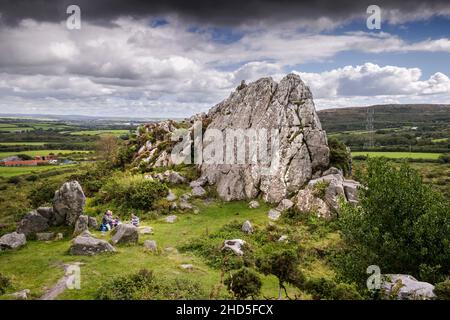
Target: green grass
point(34, 153)
point(439, 140)
point(16, 129)
point(398, 155)
point(18, 171)
point(100, 132)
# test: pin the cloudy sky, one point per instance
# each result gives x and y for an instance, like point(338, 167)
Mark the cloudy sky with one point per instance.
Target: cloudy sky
point(177, 58)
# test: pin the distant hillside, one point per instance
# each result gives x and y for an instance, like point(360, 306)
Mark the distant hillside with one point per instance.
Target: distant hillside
point(423, 116)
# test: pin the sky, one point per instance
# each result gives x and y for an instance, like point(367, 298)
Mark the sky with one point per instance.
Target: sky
point(178, 58)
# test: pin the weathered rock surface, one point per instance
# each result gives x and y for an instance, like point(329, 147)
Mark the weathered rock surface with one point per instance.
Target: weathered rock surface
point(68, 203)
point(198, 192)
point(45, 236)
point(86, 245)
point(171, 196)
point(46, 212)
point(32, 223)
point(93, 223)
point(235, 245)
point(286, 107)
point(274, 214)
point(21, 295)
point(247, 227)
point(171, 219)
point(184, 205)
point(150, 245)
point(12, 240)
point(307, 202)
point(145, 230)
point(81, 225)
point(284, 205)
point(253, 204)
point(406, 287)
point(125, 233)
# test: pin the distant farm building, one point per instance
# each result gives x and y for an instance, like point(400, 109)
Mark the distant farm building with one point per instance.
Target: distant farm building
point(38, 160)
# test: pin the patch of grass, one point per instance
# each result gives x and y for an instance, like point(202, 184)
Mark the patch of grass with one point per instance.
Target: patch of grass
point(18, 171)
point(116, 133)
point(398, 155)
point(34, 153)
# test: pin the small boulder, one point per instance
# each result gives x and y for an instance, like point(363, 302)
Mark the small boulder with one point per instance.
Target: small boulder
point(406, 287)
point(187, 266)
point(81, 225)
point(283, 238)
point(253, 204)
point(274, 214)
point(247, 227)
point(59, 236)
point(150, 245)
point(125, 233)
point(86, 245)
point(198, 191)
point(45, 236)
point(12, 240)
point(21, 295)
point(284, 205)
point(184, 205)
point(198, 183)
point(235, 245)
point(171, 219)
point(145, 230)
point(308, 203)
point(92, 223)
point(174, 177)
point(171, 196)
point(32, 223)
point(46, 212)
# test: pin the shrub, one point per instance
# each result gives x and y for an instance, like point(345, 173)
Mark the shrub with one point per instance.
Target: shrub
point(15, 180)
point(134, 192)
point(244, 283)
point(5, 283)
point(401, 224)
point(322, 288)
point(93, 178)
point(442, 290)
point(43, 193)
point(320, 188)
point(340, 156)
point(32, 177)
point(144, 285)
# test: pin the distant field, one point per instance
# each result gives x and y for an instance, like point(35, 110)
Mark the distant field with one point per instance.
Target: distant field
point(100, 132)
point(34, 153)
point(399, 155)
point(439, 140)
point(23, 143)
point(8, 172)
point(16, 129)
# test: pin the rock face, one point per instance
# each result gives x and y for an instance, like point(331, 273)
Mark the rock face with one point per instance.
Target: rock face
point(12, 240)
point(68, 203)
point(125, 233)
point(235, 245)
point(286, 107)
point(32, 223)
point(86, 245)
point(406, 287)
point(81, 225)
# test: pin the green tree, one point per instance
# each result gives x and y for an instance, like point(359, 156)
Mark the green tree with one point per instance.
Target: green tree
point(244, 283)
point(340, 156)
point(401, 225)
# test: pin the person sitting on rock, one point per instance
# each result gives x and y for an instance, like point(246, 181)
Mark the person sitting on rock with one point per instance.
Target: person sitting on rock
point(134, 220)
point(115, 222)
point(107, 221)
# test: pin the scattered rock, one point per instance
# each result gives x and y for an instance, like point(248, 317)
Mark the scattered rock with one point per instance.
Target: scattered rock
point(253, 204)
point(308, 203)
point(184, 205)
point(174, 177)
point(198, 191)
point(274, 214)
point(284, 205)
point(21, 295)
point(59, 236)
point(171, 219)
point(85, 244)
point(46, 212)
point(93, 224)
point(283, 238)
point(81, 225)
point(45, 236)
point(145, 230)
point(125, 233)
point(68, 203)
point(186, 196)
point(198, 183)
point(12, 240)
point(32, 223)
point(235, 245)
point(150, 245)
point(406, 287)
point(171, 196)
point(247, 227)
point(189, 267)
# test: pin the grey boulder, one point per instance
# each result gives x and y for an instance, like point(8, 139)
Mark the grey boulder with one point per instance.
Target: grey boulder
point(12, 240)
point(150, 245)
point(87, 245)
point(32, 223)
point(68, 203)
point(235, 245)
point(125, 233)
point(284, 205)
point(45, 236)
point(247, 227)
point(406, 287)
point(81, 225)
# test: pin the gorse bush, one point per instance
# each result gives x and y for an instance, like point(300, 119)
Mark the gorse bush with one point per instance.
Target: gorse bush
point(5, 283)
point(326, 289)
point(244, 283)
point(144, 285)
point(401, 225)
point(43, 192)
point(93, 178)
point(132, 191)
point(340, 156)
point(442, 290)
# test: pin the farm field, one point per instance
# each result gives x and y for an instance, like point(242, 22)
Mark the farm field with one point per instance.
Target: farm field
point(8, 172)
point(20, 143)
point(34, 153)
point(398, 155)
point(99, 132)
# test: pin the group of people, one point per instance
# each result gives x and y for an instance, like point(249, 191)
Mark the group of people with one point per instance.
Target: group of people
point(109, 222)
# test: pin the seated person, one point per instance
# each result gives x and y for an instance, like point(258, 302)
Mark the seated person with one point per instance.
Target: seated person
point(107, 221)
